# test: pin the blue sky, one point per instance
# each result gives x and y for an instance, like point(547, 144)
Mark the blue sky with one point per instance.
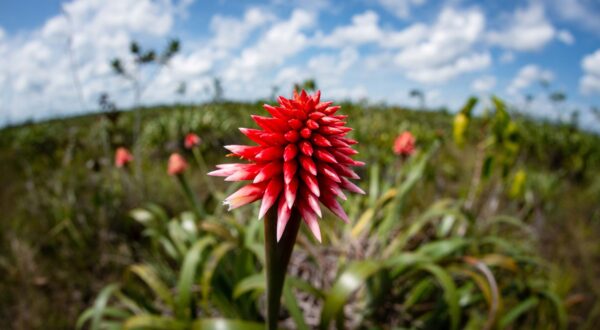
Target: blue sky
point(355, 49)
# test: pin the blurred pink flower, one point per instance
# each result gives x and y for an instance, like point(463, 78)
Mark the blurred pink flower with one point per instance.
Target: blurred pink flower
point(177, 164)
point(122, 157)
point(404, 144)
point(191, 140)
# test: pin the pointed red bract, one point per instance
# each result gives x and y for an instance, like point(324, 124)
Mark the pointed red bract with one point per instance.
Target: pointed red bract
point(302, 160)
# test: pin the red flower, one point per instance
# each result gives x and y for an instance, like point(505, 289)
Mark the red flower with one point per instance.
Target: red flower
point(177, 164)
point(191, 140)
point(302, 158)
point(404, 144)
point(122, 157)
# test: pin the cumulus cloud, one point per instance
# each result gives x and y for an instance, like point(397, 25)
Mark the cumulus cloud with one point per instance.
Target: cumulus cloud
point(484, 84)
point(527, 30)
point(41, 70)
point(428, 54)
point(527, 76)
point(447, 51)
point(328, 69)
point(365, 29)
point(590, 82)
point(409, 36)
point(565, 37)
point(282, 40)
point(231, 32)
point(582, 12)
point(446, 72)
point(289, 75)
point(400, 8)
point(332, 65)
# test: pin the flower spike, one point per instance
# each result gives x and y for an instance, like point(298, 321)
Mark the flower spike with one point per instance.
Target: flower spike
point(302, 160)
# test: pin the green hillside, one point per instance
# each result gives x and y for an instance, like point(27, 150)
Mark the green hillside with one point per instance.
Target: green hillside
point(499, 231)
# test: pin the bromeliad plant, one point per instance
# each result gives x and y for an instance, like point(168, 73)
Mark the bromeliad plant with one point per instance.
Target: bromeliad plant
point(302, 158)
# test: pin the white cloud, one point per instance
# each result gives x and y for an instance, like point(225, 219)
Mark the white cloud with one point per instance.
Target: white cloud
point(446, 72)
point(565, 37)
point(365, 29)
point(231, 32)
point(155, 18)
point(448, 49)
point(582, 12)
point(484, 84)
point(453, 34)
point(287, 76)
point(409, 36)
point(278, 43)
point(590, 82)
point(527, 30)
point(400, 8)
point(40, 67)
point(591, 63)
point(328, 69)
point(37, 74)
point(333, 65)
point(527, 76)
point(429, 54)
point(379, 61)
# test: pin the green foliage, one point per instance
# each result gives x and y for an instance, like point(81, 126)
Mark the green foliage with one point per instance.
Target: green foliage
point(428, 247)
point(464, 269)
point(309, 85)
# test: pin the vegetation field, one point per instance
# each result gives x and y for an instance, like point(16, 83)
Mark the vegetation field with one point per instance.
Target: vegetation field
point(491, 223)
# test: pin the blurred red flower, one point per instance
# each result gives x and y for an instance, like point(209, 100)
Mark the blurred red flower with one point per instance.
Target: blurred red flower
point(191, 140)
point(122, 157)
point(404, 144)
point(177, 164)
point(302, 158)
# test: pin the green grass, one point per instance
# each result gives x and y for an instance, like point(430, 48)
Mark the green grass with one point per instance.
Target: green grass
point(420, 247)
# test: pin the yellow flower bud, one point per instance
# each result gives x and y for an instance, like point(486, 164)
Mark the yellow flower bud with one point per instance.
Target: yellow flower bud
point(518, 184)
point(461, 121)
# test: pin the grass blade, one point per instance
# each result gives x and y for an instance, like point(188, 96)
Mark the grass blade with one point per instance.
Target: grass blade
point(349, 281)
point(187, 277)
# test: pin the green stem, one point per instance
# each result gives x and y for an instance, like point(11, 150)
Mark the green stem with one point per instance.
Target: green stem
point(199, 159)
point(191, 196)
point(277, 258)
point(202, 166)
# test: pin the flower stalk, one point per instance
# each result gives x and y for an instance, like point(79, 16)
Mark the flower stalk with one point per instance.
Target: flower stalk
point(198, 209)
point(302, 160)
point(199, 160)
point(203, 167)
point(277, 259)
point(177, 166)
